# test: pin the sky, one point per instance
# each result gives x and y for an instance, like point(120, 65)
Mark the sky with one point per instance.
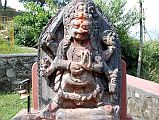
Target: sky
point(14, 4)
point(151, 8)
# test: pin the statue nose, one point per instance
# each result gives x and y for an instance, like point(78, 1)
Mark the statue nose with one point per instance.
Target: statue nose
point(81, 30)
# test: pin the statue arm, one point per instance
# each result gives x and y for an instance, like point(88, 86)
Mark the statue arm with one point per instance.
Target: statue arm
point(97, 67)
point(101, 67)
point(60, 62)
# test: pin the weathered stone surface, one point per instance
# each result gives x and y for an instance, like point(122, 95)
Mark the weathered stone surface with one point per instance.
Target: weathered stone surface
point(79, 65)
point(10, 73)
point(143, 98)
point(142, 105)
point(2, 62)
point(83, 114)
point(5, 84)
point(24, 115)
point(80, 60)
point(2, 72)
point(15, 68)
point(12, 60)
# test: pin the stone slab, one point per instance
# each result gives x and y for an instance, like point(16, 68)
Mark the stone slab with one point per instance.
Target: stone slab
point(24, 115)
point(83, 114)
point(147, 86)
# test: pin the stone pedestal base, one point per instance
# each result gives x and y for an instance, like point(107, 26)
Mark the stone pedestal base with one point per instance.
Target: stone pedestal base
point(100, 113)
point(24, 115)
point(83, 114)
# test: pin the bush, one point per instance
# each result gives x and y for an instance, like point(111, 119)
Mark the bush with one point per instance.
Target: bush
point(129, 48)
point(27, 36)
point(150, 61)
point(29, 25)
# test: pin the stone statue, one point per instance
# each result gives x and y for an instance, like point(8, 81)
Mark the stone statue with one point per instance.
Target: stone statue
point(79, 56)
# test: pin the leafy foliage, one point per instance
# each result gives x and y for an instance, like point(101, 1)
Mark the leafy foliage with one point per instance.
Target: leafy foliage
point(129, 48)
point(123, 21)
point(52, 6)
point(41, 2)
point(29, 26)
point(115, 11)
point(150, 61)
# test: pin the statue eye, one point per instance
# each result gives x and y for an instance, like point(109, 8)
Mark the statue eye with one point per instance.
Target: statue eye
point(76, 25)
point(86, 27)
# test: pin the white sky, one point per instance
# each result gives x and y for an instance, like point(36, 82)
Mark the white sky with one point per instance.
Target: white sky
point(14, 4)
point(151, 9)
point(152, 18)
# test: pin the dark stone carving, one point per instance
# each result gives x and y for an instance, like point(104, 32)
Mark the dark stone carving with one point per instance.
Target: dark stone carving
point(79, 63)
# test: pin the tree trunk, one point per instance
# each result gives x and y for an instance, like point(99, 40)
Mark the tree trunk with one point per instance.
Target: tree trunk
point(5, 4)
point(0, 3)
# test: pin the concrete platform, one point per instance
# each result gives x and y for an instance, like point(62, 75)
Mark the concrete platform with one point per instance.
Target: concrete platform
point(24, 115)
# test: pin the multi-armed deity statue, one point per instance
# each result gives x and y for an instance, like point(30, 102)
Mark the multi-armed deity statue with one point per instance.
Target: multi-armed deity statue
point(80, 64)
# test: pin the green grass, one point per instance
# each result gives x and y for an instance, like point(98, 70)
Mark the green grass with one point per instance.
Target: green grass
point(10, 105)
point(5, 48)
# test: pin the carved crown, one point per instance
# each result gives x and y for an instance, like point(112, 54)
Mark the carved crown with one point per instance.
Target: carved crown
point(85, 7)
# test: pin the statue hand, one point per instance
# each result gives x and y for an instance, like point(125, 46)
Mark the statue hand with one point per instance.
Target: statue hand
point(76, 68)
point(43, 72)
point(46, 71)
point(86, 67)
point(112, 83)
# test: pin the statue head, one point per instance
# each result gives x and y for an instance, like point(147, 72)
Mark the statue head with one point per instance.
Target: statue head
point(80, 27)
point(78, 20)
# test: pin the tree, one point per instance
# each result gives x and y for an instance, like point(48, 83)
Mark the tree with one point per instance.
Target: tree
point(0, 3)
point(52, 5)
point(5, 4)
point(150, 58)
point(42, 2)
point(62, 3)
point(29, 25)
point(115, 11)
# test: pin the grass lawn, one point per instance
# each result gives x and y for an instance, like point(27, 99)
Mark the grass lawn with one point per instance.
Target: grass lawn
point(10, 105)
point(5, 48)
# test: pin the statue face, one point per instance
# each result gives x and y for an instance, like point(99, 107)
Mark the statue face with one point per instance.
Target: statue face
point(80, 28)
